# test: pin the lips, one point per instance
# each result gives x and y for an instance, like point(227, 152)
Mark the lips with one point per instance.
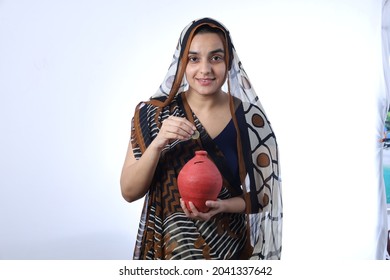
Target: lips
point(205, 81)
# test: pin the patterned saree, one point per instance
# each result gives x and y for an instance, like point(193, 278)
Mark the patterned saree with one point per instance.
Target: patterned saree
point(245, 152)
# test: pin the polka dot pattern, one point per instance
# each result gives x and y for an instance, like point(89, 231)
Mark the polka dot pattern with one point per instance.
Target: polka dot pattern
point(257, 120)
point(263, 160)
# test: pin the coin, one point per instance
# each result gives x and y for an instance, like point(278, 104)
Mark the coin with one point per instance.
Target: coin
point(195, 135)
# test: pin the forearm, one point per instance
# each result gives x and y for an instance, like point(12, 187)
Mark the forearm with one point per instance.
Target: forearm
point(137, 177)
point(234, 205)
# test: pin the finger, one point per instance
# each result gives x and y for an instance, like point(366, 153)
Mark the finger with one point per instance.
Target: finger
point(171, 130)
point(183, 206)
point(215, 208)
point(195, 211)
point(196, 214)
point(182, 123)
point(212, 204)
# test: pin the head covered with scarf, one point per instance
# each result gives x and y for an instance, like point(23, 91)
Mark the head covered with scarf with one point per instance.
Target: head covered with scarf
point(258, 160)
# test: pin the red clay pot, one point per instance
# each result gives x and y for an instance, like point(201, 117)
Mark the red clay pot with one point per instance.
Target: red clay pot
point(199, 180)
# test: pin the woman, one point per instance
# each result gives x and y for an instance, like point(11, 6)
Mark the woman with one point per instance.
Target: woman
point(246, 220)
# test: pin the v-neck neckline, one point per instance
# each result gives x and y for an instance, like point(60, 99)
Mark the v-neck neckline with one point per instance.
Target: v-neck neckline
point(190, 112)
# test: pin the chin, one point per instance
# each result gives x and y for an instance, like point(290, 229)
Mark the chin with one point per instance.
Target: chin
point(204, 91)
point(207, 92)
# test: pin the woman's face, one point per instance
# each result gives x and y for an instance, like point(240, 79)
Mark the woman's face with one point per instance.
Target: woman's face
point(206, 67)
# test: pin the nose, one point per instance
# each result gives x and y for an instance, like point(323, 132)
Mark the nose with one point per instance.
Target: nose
point(205, 67)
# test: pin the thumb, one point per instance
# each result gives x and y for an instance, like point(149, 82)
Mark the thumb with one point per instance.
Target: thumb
point(211, 203)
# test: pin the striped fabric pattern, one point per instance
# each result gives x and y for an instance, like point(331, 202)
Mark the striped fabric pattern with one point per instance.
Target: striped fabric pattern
point(258, 161)
point(164, 231)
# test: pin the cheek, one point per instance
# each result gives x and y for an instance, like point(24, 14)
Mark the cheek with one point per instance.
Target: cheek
point(189, 71)
point(222, 71)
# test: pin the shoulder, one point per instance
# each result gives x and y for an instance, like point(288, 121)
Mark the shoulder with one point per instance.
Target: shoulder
point(155, 109)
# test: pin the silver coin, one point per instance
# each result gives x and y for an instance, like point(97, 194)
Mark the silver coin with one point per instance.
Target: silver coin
point(195, 135)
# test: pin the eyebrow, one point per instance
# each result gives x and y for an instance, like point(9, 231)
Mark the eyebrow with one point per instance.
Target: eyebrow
point(212, 52)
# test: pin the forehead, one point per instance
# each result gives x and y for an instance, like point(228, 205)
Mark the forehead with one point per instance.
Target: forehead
point(210, 41)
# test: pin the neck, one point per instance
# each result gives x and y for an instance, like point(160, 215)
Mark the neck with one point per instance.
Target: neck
point(205, 102)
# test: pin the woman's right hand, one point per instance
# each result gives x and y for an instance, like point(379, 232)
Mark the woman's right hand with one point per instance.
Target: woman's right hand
point(173, 128)
point(137, 174)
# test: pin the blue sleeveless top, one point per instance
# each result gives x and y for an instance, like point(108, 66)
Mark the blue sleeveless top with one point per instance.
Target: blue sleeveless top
point(227, 143)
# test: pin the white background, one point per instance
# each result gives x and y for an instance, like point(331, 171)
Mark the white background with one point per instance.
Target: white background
point(71, 73)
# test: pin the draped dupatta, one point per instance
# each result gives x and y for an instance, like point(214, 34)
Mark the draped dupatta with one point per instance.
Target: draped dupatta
point(257, 149)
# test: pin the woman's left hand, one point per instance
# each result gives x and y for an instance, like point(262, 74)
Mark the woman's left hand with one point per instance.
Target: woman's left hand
point(230, 205)
point(215, 207)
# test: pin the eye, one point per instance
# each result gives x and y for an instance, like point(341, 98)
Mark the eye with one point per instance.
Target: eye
point(193, 59)
point(216, 58)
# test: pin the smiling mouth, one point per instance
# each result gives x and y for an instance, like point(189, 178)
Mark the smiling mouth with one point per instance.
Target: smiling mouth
point(205, 80)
